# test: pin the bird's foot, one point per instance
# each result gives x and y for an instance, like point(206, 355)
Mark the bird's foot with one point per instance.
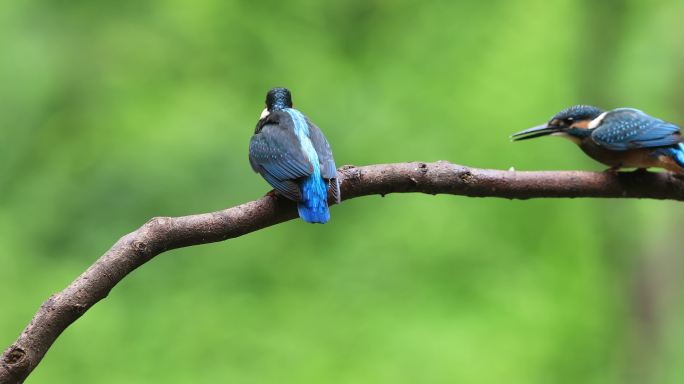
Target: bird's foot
point(613, 170)
point(640, 171)
point(272, 193)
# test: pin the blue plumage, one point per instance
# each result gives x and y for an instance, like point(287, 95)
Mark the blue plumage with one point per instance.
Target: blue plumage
point(627, 128)
point(676, 153)
point(293, 155)
point(313, 206)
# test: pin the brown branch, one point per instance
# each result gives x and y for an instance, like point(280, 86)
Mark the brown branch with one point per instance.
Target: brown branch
point(165, 233)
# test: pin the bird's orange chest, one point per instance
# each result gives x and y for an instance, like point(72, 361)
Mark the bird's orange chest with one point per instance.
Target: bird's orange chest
point(633, 158)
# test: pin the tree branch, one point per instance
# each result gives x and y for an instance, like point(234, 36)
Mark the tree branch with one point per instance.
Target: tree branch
point(164, 233)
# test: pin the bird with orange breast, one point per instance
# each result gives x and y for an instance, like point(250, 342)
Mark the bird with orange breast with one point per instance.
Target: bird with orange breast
point(621, 138)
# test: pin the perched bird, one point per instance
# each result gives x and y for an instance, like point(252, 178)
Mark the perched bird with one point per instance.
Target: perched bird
point(621, 138)
point(292, 154)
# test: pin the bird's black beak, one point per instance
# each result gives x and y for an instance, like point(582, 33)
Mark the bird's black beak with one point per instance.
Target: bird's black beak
point(538, 131)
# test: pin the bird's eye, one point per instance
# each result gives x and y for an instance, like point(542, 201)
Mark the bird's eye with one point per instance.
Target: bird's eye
point(570, 119)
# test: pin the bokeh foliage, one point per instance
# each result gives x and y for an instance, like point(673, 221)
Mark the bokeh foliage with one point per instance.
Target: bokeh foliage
point(114, 112)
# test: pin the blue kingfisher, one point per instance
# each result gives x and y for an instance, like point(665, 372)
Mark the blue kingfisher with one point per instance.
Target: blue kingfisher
point(293, 155)
point(621, 138)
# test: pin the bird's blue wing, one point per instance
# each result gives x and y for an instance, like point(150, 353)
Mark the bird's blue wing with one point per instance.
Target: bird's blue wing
point(275, 153)
point(626, 128)
point(325, 157)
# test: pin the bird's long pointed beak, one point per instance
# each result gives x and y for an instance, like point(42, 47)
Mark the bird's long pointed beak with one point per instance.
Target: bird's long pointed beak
point(538, 131)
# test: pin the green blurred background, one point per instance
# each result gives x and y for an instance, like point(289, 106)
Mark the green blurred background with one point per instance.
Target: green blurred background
point(114, 112)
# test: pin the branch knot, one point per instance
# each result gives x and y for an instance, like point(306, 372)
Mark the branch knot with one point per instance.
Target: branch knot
point(14, 356)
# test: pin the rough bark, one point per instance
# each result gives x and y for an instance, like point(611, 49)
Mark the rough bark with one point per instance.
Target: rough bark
point(164, 233)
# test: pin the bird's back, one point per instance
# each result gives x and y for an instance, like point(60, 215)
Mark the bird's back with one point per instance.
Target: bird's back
point(626, 128)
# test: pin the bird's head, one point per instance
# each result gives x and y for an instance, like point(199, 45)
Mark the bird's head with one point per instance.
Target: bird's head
point(575, 122)
point(278, 98)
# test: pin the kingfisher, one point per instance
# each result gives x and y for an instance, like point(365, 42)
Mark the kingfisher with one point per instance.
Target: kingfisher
point(294, 156)
point(620, 138)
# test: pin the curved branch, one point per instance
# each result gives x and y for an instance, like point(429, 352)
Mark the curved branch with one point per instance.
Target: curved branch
point(165, 233)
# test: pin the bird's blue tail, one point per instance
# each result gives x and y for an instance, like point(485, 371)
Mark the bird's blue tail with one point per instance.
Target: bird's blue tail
point(677, 154)
point(314, 205)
